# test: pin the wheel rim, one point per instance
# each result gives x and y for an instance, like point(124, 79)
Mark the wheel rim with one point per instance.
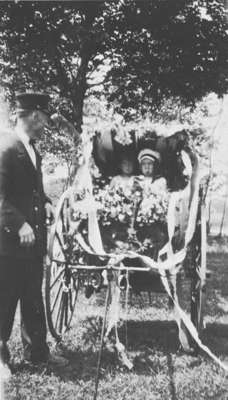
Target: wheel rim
point(198, 280)
point(62, 283)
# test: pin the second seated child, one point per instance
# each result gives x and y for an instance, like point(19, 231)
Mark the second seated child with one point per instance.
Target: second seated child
point(124, 182)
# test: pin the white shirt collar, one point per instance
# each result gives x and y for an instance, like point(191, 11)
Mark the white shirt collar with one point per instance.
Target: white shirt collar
point(23, 137)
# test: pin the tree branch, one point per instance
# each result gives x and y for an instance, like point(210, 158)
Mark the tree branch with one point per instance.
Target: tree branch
point(91, 85)
point(66, 61)
point(65, 87)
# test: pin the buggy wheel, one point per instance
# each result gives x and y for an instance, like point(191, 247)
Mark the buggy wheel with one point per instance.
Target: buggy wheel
point(198, 281)
point(61, 296)
point(61, 284)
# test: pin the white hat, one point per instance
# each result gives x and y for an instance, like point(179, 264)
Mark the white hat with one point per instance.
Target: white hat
point(148, 153)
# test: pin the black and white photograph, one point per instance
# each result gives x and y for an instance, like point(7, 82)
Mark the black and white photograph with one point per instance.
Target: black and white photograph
point(114, 200)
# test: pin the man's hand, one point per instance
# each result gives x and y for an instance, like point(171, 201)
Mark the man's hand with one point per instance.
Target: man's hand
point(50, 216)
point(26, 235)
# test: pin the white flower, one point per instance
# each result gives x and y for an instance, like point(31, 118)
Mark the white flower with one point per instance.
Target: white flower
point(113, 212)
point(121, 217)
point(123, 137)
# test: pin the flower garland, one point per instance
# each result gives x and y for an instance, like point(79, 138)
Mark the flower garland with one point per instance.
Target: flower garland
point(154, 208)
point(123, 136)
point(119, 214)
point(114, 205)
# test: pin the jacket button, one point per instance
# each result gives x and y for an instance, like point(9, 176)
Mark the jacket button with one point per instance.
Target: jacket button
point(36, 208)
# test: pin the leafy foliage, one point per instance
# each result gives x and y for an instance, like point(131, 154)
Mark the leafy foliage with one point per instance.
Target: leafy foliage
point(166, 50)
point(160, 57)
point(154, 51)
point(54, 46)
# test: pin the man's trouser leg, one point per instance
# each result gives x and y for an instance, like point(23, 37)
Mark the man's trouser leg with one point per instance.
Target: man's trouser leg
point(33, 322)
point(10, 288)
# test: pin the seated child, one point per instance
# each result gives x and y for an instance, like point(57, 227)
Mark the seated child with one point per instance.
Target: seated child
point(125, 181)
point(152, 212)
point(148, 162)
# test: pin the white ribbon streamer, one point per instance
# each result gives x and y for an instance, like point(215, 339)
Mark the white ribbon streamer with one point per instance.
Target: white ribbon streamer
point(190, 326)
point(83, 180)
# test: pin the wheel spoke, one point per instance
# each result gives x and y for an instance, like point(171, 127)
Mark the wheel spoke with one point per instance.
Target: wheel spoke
point(70, 300)
point(61, 244)
point(63, 307)
point(63, 222)
point(64, 217)
point(56, 297)
point(67, 215)
point(56, 279)
point(59, 312)
point(66, 309)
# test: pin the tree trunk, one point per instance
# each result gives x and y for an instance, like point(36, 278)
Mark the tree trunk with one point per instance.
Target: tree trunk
point(223, 218)
point(209, 218)
point(79, 91)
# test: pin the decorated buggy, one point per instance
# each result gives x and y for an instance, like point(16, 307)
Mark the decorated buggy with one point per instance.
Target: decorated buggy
point(129, 242)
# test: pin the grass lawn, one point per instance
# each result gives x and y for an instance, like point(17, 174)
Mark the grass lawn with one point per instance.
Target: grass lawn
point(161, 369)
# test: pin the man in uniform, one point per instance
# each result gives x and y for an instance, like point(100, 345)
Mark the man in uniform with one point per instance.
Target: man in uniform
point(24, 208)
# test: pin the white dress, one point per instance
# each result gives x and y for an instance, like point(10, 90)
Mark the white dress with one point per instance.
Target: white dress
point(155, 198)
point(153, 187)
point(123, 183)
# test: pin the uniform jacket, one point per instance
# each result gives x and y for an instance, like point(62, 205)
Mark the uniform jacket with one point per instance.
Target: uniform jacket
point(22, 198)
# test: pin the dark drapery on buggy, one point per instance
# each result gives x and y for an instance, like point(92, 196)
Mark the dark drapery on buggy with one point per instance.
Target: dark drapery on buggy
point(85, 239)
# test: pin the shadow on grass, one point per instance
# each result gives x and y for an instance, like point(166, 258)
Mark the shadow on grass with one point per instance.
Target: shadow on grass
point(153, 345)
point(215, 336)
point(150, 344)
point(156, 334)
point(146, 339)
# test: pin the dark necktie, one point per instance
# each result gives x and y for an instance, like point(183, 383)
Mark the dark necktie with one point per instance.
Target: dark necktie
point(32, 143)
